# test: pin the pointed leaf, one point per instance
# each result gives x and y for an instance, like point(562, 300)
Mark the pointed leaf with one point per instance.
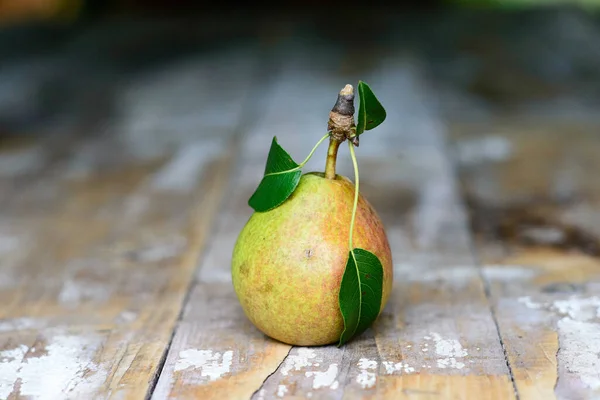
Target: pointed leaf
point(370, 111)
point(360, 292)
point(282, 175)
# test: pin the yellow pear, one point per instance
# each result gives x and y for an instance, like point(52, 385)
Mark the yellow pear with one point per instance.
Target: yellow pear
point(288, 262)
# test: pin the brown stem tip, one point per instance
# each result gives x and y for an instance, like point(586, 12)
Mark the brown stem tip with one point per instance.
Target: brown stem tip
point(341, 118)
point(345, 101)
point(341, 125)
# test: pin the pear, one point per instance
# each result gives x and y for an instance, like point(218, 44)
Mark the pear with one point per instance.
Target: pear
point(288, 262)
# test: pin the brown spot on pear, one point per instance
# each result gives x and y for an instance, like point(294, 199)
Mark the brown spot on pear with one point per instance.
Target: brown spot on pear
point(302, 306)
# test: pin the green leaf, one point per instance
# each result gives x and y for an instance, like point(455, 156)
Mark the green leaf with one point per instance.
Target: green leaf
point(360, 292)
point(370, 111)
point(282, 175)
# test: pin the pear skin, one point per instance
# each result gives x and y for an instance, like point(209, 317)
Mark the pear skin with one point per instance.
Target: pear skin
point(288, 262)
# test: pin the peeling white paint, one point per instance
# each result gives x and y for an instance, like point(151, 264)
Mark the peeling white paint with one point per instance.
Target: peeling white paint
point(324, 379)
point(298, 361)
point(448, 351)
point(391, 367)
point(366, 379)
point(10, 364)
point(577, 308)
point(579, 354)
point(579, 341)
point(526, 300)
point(211, 364)
point(261, 395)
point(450, 362)
point(281, 390)
point(65, 365)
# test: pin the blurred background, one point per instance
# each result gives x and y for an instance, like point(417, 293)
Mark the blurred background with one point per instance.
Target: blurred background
point(62, 61)
point(142, 78)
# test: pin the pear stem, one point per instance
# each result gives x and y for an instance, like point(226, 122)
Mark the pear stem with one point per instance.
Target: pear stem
point(340, 125)
point(332, 152)
point(355, 205)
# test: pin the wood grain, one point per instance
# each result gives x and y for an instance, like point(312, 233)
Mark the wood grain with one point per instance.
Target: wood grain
point(251, 357)
point(98, 255)
point(436, 337)
point(534, 203)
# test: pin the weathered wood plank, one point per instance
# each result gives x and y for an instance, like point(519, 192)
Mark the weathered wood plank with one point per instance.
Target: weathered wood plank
point(231, 358)
point(436, 337)
point(533, 192)
point(437, 324)
point(107, 244)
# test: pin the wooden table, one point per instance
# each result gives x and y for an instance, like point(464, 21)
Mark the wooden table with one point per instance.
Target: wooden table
point(125, 173)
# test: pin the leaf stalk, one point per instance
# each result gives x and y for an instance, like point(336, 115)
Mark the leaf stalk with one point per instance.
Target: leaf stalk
point(356, 192)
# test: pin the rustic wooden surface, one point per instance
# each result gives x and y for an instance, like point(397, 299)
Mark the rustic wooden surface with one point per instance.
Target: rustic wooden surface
point(123, 189)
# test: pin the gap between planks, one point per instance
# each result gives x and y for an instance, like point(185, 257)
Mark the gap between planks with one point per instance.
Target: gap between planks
point(234, 149)
point(454, 163)
point(99, 290)
point(544, 279)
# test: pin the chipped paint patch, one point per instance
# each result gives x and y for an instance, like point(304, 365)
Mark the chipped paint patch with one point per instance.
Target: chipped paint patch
point(449, 352)
point(579, 352)
point(579, 342)
point(526, 300)
point(296, 362)
point(575, 307)
point(366, 378)
point(302, 359)
point(324, 379)
point(391, 367)
point(212, 365)
point(281, 390)
point(65, 365)
point(579, 309)
point(10, 363)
